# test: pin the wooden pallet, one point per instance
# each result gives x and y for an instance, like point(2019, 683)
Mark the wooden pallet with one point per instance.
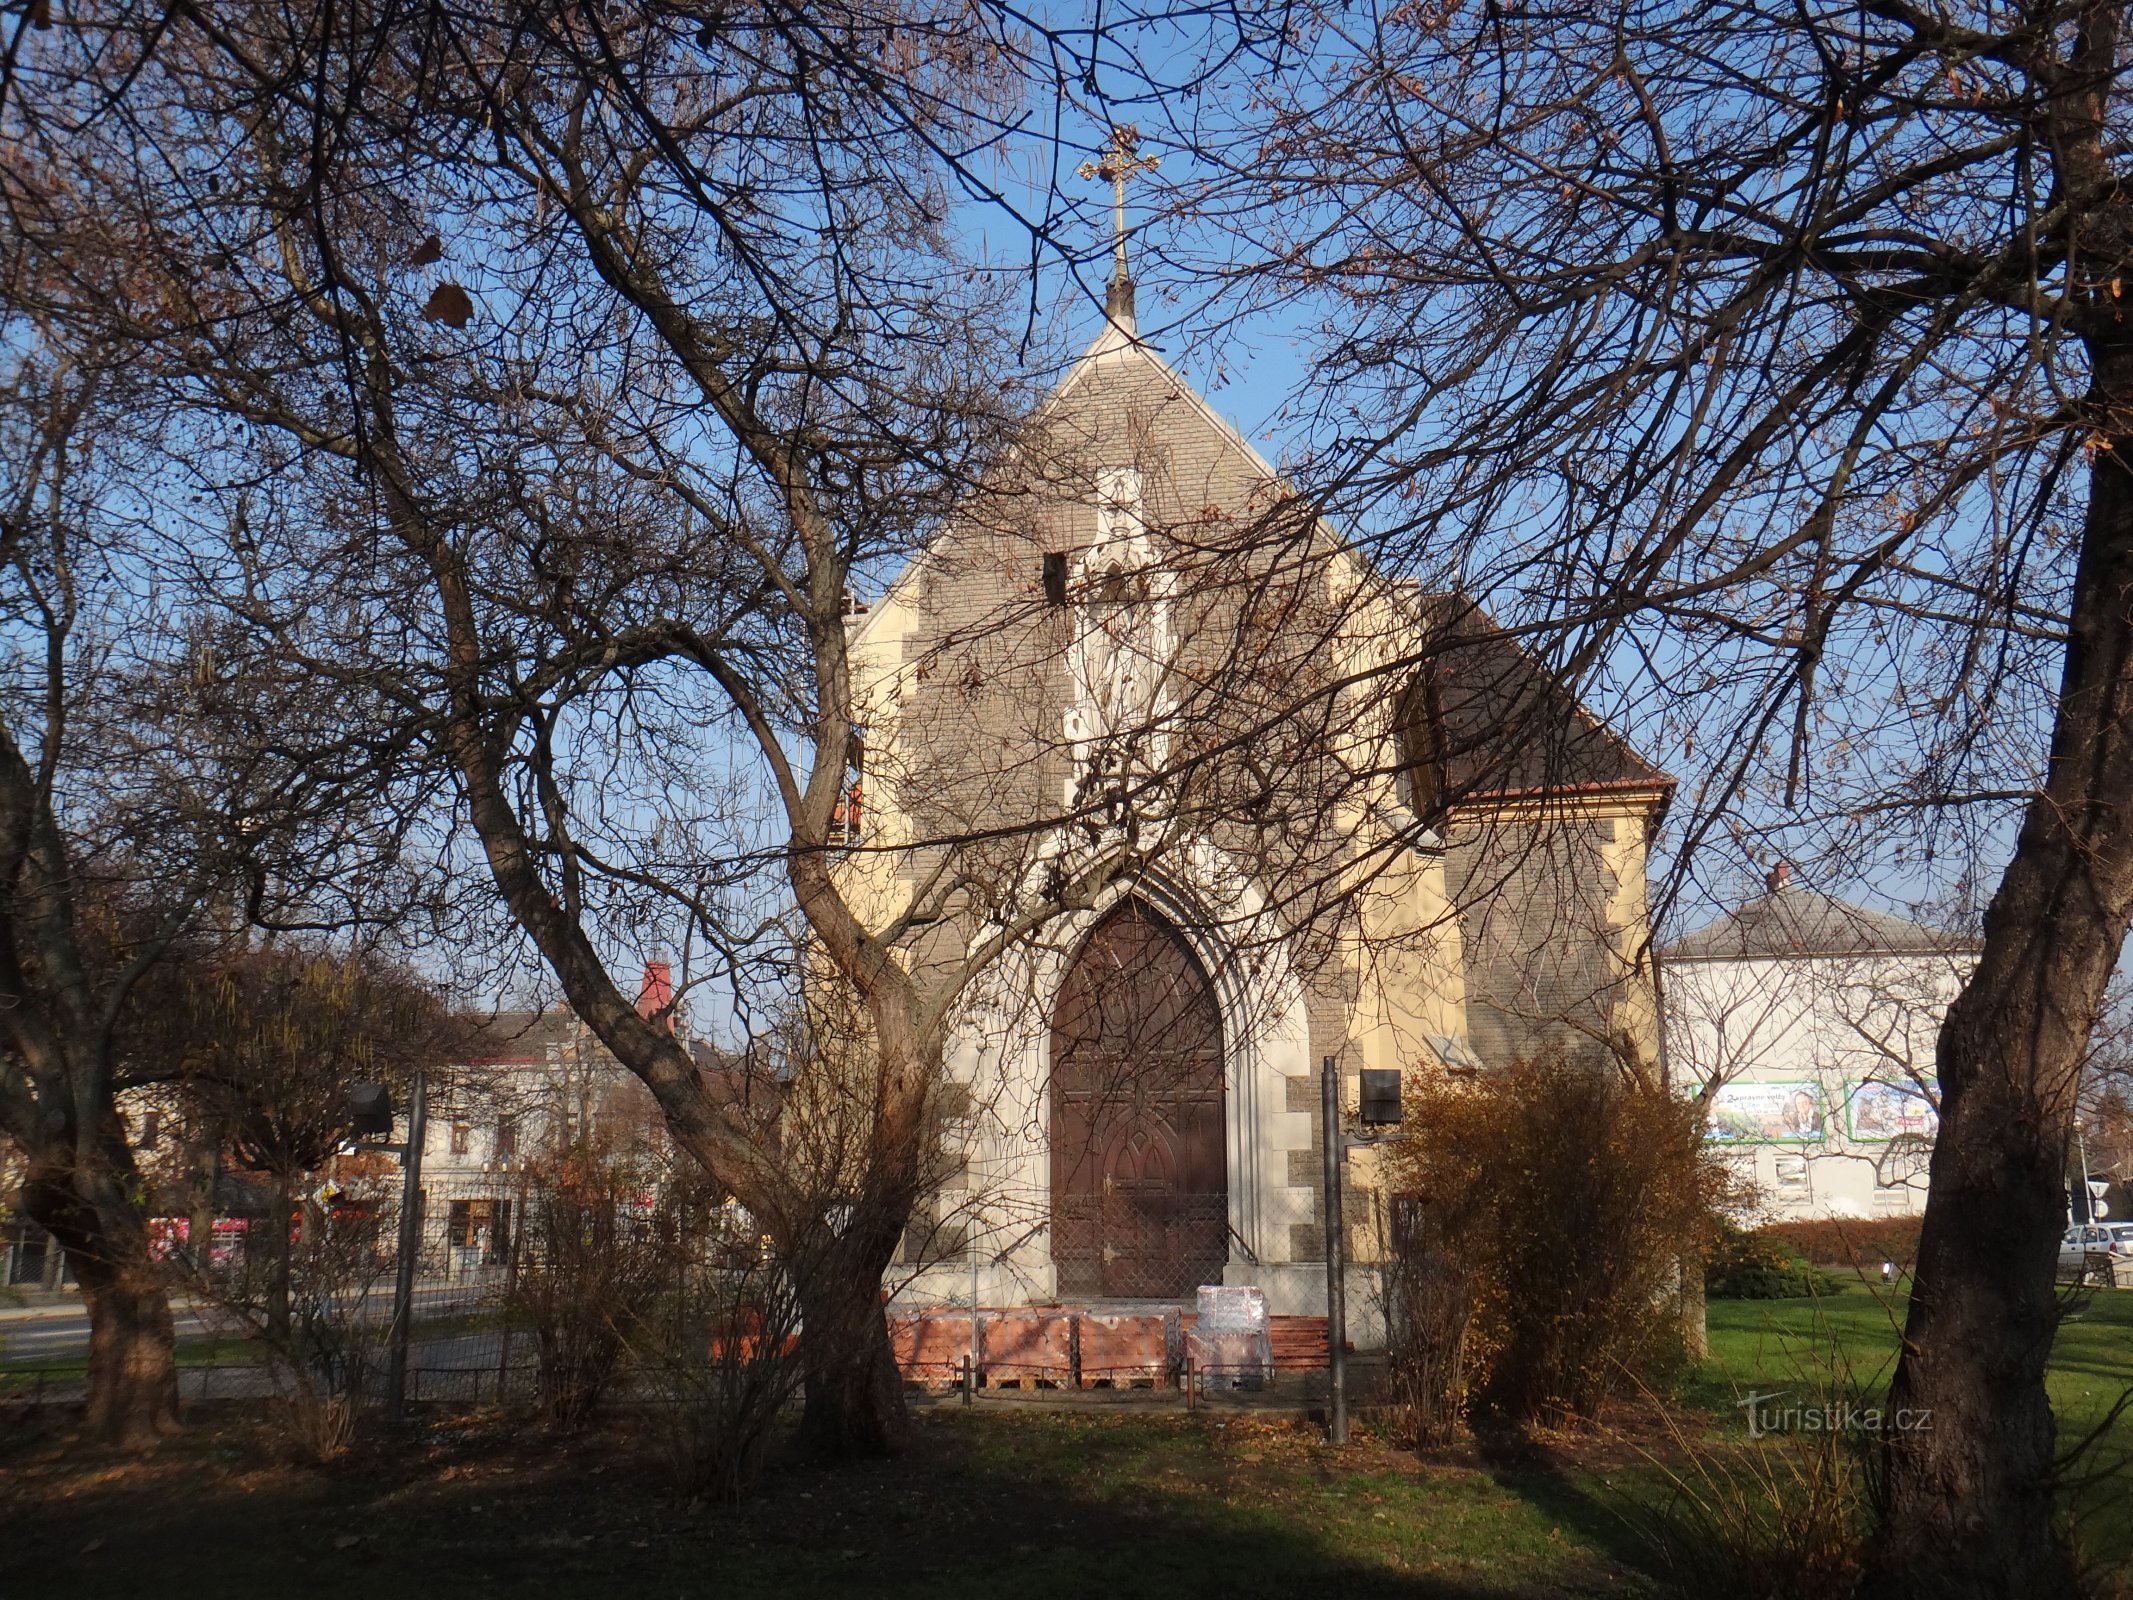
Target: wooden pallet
point(1299, 1343)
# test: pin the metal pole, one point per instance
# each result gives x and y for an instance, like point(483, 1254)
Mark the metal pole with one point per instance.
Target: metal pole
point(513, 1220)
point(2088, 1196)
point(1336, 1273)
point(410, 1244)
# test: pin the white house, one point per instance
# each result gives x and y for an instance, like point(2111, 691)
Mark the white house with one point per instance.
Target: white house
point(536, 1081)
point(1806, 1026)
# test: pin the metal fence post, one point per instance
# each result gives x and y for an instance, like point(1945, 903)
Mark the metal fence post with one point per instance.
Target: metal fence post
point(1336, 1273)
point(410, 1245)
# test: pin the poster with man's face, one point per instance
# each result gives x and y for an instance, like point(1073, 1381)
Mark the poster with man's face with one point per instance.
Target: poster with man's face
point(1766, 1113)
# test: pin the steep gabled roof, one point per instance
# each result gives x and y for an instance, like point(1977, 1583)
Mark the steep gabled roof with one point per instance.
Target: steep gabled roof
point(1791, 921)
point(1117, 350)
point(1506, 725)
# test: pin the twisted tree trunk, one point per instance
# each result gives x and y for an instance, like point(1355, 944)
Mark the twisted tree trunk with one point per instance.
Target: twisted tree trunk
point(1969, 1507)
point(133, 1373)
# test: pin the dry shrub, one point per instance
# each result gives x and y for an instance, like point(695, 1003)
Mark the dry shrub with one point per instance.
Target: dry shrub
point(1779, 1518)
point(1851, 1241)
point(1429, 1309)
point(595, 1254)
point(1778, 1510)
point(320, 1314)
point(724, 1357)
point(1556, 1202)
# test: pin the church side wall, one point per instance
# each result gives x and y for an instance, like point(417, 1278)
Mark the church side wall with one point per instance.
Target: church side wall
point(1554, 929)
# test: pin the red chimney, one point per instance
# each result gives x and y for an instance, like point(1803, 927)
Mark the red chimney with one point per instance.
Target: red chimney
point(656, 994)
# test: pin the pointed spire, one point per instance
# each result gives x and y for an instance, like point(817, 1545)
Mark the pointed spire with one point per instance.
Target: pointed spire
point(1115, 166)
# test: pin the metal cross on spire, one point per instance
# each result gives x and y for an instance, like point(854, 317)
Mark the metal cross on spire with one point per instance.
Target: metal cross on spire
point(1118, 163)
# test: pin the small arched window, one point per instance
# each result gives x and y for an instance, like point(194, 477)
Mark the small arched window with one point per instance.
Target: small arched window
point(1421, 748)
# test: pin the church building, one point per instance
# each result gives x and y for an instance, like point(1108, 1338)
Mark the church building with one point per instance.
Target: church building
point(1284, 806)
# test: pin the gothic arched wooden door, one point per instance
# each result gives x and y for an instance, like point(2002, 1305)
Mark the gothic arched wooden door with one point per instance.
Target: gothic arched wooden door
point(1140, 1188)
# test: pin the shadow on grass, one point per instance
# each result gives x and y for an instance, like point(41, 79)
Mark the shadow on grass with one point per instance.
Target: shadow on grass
point(1522, 1467)
point(1137, 1507)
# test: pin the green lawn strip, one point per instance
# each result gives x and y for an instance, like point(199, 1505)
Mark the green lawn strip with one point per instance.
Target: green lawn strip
point(211, 1351)
point(1831, 1345)
point(1813, 1345)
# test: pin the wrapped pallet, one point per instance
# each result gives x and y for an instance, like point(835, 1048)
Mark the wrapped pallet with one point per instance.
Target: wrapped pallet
point(1229, 1344)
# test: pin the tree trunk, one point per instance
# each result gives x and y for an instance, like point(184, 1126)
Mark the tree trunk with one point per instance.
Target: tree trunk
point(133, 1372)
point(854, 1395)
point(1969, 1503)
point(276, 1308)
point(1695, 1329)
point(200, 1231)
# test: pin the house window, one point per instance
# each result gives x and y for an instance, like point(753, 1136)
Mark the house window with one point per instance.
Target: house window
point(151, 1129)
point(1792, 1177)
point(507, 1138)
point(1904, 1164)
point(483, 1225)
point(462, 1138)
point(1055, 577)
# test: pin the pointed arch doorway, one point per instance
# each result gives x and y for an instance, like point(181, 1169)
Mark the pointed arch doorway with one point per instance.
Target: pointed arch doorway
point(1140, 1185)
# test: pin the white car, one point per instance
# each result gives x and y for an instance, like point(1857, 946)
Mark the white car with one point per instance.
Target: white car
point(2081, 1242)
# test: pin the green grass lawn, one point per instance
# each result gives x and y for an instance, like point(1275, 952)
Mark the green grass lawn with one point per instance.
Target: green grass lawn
point(207, 1350)
point(1117, 1500)
point(1758, 1344)
point(1847, 1342)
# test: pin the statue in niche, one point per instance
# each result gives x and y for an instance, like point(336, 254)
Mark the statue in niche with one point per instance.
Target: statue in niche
point(1123, 626)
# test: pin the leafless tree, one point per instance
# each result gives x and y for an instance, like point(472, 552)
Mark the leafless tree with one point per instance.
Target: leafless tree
point(1774, 359)
point(568, 377)
point(265, 1045)
point(129, 823)
point(581, 550)
point(147, 802)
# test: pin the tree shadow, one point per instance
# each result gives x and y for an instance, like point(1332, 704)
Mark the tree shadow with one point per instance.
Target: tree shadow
point(1124, 1506)
point(1520, 1465)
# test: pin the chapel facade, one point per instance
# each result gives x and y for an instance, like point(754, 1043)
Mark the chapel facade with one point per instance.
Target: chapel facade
point(1293, 808)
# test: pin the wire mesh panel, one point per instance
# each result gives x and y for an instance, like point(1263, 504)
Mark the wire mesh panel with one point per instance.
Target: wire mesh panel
point(1140, 1196)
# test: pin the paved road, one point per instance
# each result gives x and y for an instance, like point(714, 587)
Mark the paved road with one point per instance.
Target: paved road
point(60, 1331)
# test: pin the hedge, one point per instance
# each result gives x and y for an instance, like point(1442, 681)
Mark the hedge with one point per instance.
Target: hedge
point(1851, 1241)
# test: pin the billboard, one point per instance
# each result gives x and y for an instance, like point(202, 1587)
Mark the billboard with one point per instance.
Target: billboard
point(1882, 1111)
point(1767, 1113)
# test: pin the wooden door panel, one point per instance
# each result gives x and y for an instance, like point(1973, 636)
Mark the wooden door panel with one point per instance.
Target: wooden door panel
point(1140, 1203)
